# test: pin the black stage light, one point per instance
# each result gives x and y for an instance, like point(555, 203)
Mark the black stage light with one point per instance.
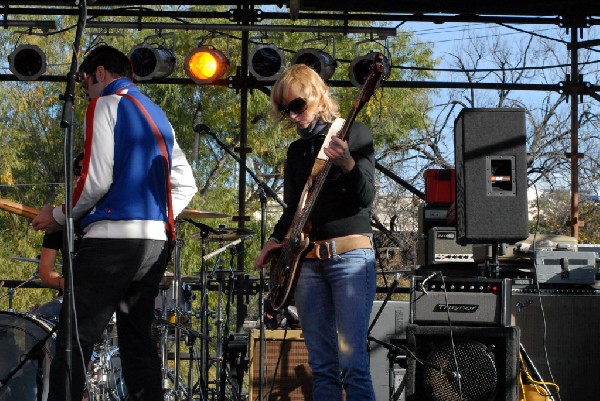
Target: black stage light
point(360, 67)
point(151, 62)
point(27, 62)
point(267, 62)
point(323, 63)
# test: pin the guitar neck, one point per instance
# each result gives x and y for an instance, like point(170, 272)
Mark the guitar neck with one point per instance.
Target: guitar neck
point(18, 209)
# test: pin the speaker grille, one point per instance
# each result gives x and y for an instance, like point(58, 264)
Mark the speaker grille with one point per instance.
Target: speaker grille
point(293, 379)
point(567, 344)
point(486, 357)
point(472, 362)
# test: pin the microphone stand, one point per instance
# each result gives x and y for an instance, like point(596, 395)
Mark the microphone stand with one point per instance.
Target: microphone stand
point(204, 129)
point(69, 237)
point(261, 298)
point(264, 189)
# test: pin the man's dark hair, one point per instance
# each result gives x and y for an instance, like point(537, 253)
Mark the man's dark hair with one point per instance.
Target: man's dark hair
point(110, 58)
point(76, 167)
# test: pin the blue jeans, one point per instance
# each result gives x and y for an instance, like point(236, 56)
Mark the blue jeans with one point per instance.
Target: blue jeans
point(334, 299)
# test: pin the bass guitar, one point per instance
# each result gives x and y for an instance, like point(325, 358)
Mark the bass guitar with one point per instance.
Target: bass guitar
point(284, 264)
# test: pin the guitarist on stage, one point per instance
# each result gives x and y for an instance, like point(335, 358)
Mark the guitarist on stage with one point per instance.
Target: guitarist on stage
point(336, 284)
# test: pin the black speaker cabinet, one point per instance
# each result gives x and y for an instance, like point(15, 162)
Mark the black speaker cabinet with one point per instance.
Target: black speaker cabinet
point(569, 337)
point(462, 363)
point(491, 179)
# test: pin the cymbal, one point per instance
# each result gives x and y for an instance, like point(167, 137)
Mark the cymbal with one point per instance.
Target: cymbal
point(169, 277)
point(200, 214)
point(22, 259)
point(225, 272)
point(224, 234)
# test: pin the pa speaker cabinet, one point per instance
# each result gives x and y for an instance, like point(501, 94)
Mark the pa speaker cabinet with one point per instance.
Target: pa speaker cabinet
point(569, 336)
point(491, 179)
point(293, 379)
point(486, 357)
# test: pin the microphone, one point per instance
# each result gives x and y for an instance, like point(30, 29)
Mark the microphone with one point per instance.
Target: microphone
point(199, 126)
point(450, 374)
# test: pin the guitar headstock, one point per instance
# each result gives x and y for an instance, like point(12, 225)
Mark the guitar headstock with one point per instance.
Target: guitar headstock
point(371, 81)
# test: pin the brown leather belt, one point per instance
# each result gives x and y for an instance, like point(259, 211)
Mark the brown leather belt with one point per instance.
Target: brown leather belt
point(326, 250)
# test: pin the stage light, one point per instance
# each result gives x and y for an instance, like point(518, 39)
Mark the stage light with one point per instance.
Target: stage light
point(27, 62)
point(151, 62)
point(206, 64)
point(267, 62)
point(323, 63)
point(360, 67)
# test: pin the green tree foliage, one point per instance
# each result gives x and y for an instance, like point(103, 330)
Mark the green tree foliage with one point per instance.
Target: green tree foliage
point(550, 213)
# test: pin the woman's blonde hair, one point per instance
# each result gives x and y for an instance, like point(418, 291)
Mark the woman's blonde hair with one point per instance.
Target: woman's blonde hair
point(304, 81)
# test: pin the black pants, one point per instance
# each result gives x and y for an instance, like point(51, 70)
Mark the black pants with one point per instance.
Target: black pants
point(113, 275)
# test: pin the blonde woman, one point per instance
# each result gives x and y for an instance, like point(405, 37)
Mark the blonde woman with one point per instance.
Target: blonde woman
point(335, 290)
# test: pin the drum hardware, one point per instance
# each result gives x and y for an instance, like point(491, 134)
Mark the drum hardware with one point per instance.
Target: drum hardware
point(237, 348)
point(169, 323)
point(176, 321)
point(225, 247)
point(180, 391)
point(34, 260)
point(224, 278)
point(176, 286)
point(29, 283)
point(104, 379)
point(13, 285)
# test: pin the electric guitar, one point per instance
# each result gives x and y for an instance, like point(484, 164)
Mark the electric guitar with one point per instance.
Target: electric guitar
point(285, 263)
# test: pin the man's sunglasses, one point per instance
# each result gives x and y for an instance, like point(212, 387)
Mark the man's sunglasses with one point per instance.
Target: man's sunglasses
point(296, 106)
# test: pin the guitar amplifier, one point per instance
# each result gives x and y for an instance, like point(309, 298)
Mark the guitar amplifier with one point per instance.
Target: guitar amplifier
point(460, 301)
point(443, 248)
point(286, 375)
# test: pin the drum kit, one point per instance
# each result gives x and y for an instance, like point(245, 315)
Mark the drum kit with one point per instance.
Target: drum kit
point(27, 340)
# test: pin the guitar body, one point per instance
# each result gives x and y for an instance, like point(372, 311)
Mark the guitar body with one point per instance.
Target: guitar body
point(284, 271)
point(285, 263)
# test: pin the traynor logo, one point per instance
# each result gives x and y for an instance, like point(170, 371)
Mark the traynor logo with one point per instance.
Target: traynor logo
point(456, 308)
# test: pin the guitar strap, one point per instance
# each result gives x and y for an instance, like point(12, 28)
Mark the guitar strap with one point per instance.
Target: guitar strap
point(336, 126)
point(170, 226)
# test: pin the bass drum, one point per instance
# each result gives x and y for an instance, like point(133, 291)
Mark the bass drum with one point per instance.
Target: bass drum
point(19, 334)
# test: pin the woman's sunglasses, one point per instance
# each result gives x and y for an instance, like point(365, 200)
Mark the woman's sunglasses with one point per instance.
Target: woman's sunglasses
point(296, 106)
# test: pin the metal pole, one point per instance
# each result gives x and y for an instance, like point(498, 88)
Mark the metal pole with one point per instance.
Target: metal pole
point(574, 155)
point(241, 308)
